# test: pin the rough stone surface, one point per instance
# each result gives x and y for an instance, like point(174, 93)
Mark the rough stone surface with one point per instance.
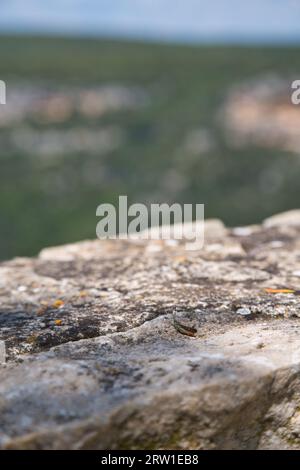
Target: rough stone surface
point(93, 359)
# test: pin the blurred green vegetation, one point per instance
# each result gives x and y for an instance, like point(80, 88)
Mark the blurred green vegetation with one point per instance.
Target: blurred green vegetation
point(44, 205)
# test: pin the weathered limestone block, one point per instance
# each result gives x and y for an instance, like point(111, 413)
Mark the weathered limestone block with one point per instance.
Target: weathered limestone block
point(93, 359)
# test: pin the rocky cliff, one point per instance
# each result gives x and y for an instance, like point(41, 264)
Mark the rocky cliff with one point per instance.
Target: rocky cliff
point(143, 344)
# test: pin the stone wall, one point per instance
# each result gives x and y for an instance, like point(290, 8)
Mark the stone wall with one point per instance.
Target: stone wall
point(145, 345)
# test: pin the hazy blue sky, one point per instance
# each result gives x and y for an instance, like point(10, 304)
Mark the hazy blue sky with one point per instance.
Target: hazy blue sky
point(267, 20)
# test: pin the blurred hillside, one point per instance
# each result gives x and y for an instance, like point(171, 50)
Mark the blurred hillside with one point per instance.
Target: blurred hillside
point(87, 120)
